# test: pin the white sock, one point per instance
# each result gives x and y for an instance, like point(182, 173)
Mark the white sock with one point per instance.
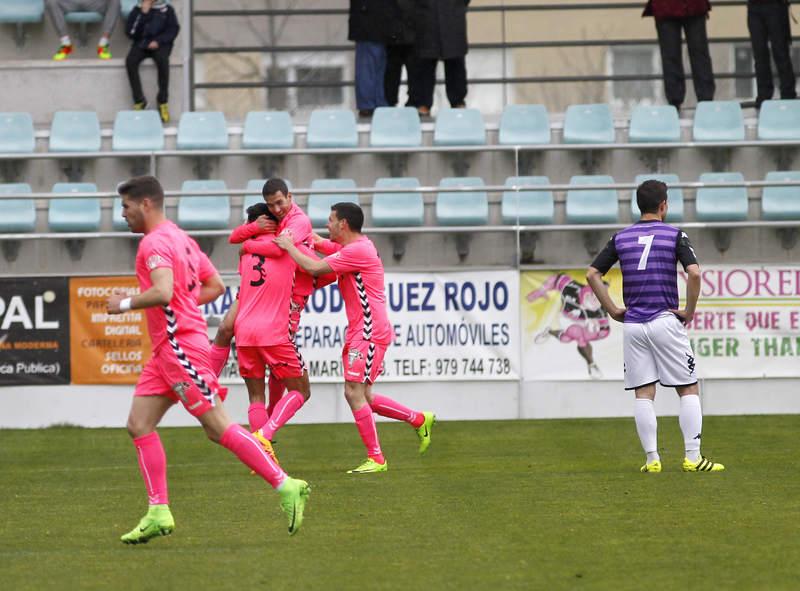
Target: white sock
point(691, 422)
point(647, 427)
point(65, 40)
point(103, 41)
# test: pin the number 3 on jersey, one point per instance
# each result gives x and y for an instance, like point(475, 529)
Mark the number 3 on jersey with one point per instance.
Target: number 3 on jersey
point(648, 243)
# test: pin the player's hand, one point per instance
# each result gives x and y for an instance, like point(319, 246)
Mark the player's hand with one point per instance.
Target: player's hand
point(285, 240)
point(266, 225)
point(112, 303)
point(152, 45)
point(618, 314)
point(683, 316)
point(316, 238)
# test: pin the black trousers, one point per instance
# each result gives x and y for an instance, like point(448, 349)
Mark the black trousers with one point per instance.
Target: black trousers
point(455, 79)
point(398, 56)
point(160, 56)
point(768, 24)
point(669, 42)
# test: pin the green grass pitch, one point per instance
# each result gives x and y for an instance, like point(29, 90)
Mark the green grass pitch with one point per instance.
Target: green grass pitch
point(494, 505)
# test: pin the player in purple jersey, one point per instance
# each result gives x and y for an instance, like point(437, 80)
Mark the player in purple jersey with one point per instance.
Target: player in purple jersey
point(656, 347)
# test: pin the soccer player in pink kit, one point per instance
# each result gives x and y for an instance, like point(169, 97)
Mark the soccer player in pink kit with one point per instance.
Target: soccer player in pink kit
point(353, 257)
point(175, 276)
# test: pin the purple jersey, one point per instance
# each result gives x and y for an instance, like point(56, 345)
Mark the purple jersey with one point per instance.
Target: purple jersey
point(648, 253)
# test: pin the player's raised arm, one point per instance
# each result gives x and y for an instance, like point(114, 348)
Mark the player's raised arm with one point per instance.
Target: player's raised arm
point(310, 265)
point(159, 294)
point(262, 225)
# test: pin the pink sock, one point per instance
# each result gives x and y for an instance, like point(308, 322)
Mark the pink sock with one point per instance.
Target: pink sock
point(386, 407)
point(369, 433)
point(284, 410)
point(252, 455)
point(257, 415)
point(153, 466)
point(276, 390)
point(218, 357)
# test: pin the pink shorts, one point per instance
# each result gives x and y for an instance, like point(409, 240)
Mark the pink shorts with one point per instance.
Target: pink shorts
point(363, 361)
point(284, 361)
point(165, 375)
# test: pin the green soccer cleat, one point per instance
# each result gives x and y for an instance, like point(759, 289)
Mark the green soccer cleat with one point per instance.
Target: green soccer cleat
point(701, 465)
point(370, 467)
point(654, 466)
point(424, 431)
point(157, 522)
point(294, 496)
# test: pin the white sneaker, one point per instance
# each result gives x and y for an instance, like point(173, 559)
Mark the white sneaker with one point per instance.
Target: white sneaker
point(594, 371)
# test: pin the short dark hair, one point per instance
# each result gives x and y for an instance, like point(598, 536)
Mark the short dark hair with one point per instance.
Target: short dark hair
point(274, 185)
point(351, 212)
point(256, 210)
point(650, 194)
point(140, 187)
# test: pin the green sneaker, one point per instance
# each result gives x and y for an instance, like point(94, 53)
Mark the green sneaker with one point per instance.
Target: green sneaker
point(369, 467)
point(294, 496)
point(157, 522)
point(424, 431)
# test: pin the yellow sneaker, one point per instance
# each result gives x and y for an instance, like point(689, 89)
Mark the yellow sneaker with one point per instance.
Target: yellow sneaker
point(103, 52)
point(62, 53)
point(701, 465)
point(141, 106)
point(370, 467)
point(163, 110)
point(654, 466)
point(267, 445)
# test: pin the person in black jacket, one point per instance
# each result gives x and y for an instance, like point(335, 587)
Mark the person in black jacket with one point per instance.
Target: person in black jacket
point(400, 53)
point(768, 23)
point(152, 26)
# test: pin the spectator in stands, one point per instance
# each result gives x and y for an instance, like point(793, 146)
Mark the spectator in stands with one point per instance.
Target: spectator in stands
point(152, 26)
point(768, 23)
point(441, 34)
point(671, 17)
point(108, 8)
point(400, 53)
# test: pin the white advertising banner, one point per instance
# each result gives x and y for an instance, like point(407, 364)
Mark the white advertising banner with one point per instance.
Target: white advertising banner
point(447, 326)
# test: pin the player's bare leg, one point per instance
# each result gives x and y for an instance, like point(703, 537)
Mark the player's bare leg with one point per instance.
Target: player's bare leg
point(690, 418)
point(221, 347)
point(647, 426)
point(358, 396)
point(587, 353)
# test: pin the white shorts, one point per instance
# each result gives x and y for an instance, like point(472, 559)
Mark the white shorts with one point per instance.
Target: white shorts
point(658, 351)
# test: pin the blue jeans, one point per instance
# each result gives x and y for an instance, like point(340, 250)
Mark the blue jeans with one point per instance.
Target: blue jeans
point(370, 71)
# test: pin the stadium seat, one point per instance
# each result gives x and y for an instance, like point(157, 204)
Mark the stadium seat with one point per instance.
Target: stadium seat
point(527, 207)
point(137, 130)
point(202, 130)
point(524, 125)
point(17, 215)
point(462, 208)
point(654, 124)
point(718, 121)
point(592, 206)
point(674, 197)
point(75, 131)
point(779, 120)
point(403, 208)
point(459, 127)
point(319, 205)
point(332, 128)
point(204, 212)
point(254, 187)
point(267, 130)
point(781, 203)
point(21, 11)
point(81, 214)
point(16, 133)
point(395, 127)
point(588, 124)
point(117, 221)
point(724, 204)
point(83, 17)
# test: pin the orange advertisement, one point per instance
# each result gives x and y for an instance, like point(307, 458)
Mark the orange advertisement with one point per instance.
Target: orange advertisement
point(105, 348)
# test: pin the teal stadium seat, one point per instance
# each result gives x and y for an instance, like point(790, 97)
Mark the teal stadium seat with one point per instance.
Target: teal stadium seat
point(81, 214)
point(319, 206)
point(75, 131)
point(83, 17)
point(202, 130)
point(588, 124)
point(459, 127)
point(204, 212)
point(16, 133)
point(469, 208)
point(17, 215)
point(654, 124)
point(395, 127)
point(404, 208)
point(137, 131)
point(332, 128)
point(268, 130)
point(524, 125)
point(781, 203)
point(527, 207)
point(674, 197)
point(21, 11)
point(718, 121)
point(779, 120)
point(592, 206)
point(254, 188)
point(724, 204)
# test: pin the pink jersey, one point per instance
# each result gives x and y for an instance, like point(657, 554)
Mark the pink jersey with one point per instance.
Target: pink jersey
point(167, 246)
point(361, 283)
point(264, 298)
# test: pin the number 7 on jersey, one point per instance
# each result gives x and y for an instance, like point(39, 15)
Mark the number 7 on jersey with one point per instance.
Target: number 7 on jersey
point(648, 243)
